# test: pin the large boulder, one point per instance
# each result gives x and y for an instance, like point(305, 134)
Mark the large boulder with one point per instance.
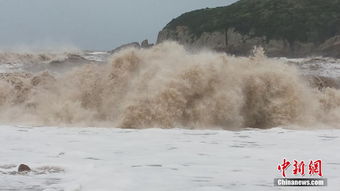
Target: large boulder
point(23, 168)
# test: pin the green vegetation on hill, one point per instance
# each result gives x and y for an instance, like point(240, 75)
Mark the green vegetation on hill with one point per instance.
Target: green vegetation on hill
point(292, 20)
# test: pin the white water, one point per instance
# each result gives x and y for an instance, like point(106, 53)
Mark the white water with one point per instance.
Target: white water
point(106, 159)
point(164, 86)
point(160, 159)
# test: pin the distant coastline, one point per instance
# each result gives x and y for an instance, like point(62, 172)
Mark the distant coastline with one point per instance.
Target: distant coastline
point(290, 28)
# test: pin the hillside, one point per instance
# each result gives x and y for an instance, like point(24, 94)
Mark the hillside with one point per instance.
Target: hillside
point(287, 22)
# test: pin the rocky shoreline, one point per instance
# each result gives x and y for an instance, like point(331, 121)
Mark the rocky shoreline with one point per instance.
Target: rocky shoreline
point(233, 42)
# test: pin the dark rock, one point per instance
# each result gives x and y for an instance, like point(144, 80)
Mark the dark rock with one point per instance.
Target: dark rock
point(24, 168)
point(331, 47)
point(124, 46)
point(145, 44)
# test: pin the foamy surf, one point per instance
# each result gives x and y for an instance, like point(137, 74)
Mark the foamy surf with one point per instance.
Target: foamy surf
point(56, 61)
point(168, 86)
point(87, 159)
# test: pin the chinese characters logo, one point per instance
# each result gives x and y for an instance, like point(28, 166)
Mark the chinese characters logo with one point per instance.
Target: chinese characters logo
point(301, 168)
point(314, 167)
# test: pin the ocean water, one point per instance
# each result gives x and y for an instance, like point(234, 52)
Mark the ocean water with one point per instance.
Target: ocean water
point(78, 158)
point(166, 86)
point(164, 118)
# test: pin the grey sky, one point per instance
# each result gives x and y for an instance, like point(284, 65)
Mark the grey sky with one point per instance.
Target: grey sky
point(89, 24)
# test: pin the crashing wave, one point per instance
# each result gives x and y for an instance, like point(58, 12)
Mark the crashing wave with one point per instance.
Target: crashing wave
point(51, 61)
point(166, 86)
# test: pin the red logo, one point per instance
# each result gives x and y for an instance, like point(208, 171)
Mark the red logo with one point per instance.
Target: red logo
point(314, 167)
point(299, 168)
point(283, 167)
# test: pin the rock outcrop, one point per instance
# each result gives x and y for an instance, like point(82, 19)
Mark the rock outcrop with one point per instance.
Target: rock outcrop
point(24, 168)
point(145, 44)
point(331, 47)
point(215, 40)
point(234, 42)
point(129, 45)
point(291, 28)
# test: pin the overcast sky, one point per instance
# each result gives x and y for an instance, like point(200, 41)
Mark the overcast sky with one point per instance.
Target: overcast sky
point(89, 24)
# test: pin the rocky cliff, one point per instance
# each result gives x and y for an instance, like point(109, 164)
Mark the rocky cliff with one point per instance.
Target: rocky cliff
point(282, 27)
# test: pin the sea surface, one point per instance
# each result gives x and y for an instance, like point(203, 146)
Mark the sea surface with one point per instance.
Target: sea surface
point(164, 119)
point(64, 158)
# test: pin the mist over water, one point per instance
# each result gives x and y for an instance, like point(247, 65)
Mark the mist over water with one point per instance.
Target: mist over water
point(167, 86)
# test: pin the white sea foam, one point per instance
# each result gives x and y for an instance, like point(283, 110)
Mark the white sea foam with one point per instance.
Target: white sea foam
point(106, 159)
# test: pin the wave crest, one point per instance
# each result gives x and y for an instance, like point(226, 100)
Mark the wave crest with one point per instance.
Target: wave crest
point(166, 86)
